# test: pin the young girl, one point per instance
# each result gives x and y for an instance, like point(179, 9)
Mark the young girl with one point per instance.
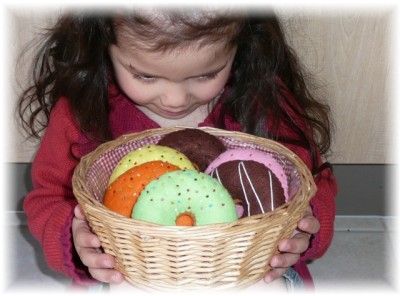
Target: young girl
point(98, 76)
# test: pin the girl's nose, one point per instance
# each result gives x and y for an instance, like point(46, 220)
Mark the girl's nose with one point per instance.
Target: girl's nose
point(175, 97)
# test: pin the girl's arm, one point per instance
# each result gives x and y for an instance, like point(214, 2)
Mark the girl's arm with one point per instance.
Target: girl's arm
point(317, 226)
point(323, 207)
point(49, 206)
point(315, 229)
point(323, 202)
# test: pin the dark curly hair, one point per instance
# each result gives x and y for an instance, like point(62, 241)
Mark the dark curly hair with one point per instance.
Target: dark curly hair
point(73, 62)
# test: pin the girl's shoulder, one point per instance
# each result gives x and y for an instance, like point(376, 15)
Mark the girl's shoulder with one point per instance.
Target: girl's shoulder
point(63, 120)
point(64, 130)
point(61, 108)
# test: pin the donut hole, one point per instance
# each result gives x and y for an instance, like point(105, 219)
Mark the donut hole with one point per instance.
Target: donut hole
point(185, 219)
point(238, 202)
point(239, 207)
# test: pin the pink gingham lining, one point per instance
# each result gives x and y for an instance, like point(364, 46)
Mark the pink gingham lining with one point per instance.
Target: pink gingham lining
point(99, 173)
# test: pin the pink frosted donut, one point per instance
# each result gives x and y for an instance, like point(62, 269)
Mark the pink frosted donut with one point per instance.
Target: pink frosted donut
point(254, 155)
point(254, 179)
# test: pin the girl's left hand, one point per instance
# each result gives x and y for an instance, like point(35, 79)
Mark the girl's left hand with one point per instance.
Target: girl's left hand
point(290, 249)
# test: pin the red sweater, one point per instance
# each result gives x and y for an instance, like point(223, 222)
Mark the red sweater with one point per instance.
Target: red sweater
point(49, 206)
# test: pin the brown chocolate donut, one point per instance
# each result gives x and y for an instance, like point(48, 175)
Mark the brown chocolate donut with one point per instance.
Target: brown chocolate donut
point(257, 187)
point(199, 146)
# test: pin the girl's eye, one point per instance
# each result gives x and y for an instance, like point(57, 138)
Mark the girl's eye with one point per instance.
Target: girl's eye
point(150, 79)
point(207, 77)
point(147, 79)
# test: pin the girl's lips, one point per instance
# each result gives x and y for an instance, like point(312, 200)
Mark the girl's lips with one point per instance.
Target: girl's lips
point(173, 113)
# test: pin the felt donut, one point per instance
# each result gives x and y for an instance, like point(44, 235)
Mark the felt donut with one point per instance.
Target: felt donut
point(199, 146)
point(252, 176)
point(185, 197)
point(150, 153)
point(122, 194)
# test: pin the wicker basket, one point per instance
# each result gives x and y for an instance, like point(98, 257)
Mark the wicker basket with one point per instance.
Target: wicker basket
point(169, 257)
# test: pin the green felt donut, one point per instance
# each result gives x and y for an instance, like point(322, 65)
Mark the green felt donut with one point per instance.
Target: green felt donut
point(185, 191)
point(150, 153)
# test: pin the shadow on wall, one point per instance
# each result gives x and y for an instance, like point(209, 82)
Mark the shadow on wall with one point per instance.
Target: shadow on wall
point(364, 189)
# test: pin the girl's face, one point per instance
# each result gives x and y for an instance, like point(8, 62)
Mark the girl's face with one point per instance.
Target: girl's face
point(172, 84)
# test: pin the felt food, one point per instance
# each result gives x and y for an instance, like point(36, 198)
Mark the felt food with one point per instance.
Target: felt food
point(122, 194)
point(185, 197)
point(150, 153)
point(252, 176)
point(199, 146)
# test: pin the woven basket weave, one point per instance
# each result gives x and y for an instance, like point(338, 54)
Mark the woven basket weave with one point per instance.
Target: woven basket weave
point(170, 257)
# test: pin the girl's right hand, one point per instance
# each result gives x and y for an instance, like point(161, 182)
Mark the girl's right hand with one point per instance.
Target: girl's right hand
point(87, 245)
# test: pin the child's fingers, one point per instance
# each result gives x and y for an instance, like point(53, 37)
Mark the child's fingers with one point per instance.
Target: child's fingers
point(78, 212)
point(83, 236)
point(309, 224)
point(284, 260)
point(94, 258)
point(297, 244)
point(274, 274)
point(107, 275)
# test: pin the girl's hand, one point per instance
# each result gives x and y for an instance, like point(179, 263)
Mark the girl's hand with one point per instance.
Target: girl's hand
point(87, 245)
point(290, 249)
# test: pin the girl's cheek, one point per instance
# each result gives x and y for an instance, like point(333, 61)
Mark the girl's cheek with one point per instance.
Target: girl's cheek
point(138, 94)
point(135, 90)
point(204, 95)
point(207, 91)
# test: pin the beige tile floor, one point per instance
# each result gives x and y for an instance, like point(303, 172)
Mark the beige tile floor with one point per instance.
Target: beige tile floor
point(362, 256)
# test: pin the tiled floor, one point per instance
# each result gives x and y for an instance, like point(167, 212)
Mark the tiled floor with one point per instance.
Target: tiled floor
point(361, 255)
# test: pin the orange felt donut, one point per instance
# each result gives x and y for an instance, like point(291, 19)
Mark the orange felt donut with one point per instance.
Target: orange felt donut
point(122, 194)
